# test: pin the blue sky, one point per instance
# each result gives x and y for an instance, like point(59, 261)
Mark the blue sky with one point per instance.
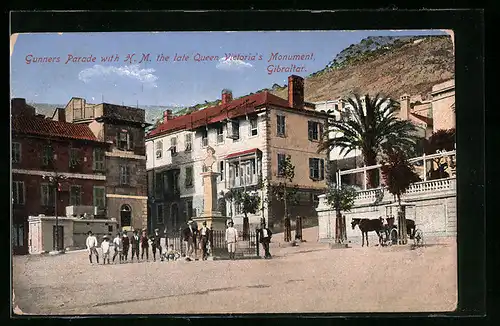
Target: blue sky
point(182, 83)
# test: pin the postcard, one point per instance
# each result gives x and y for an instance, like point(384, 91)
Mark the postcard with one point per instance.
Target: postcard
point(233, 172)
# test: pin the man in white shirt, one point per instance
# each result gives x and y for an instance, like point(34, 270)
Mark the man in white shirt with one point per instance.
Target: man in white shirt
point(118, 244)
point(231, 239)
point(92, 246)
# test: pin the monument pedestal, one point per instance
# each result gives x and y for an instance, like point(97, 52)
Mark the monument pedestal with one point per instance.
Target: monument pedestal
point(215, 221)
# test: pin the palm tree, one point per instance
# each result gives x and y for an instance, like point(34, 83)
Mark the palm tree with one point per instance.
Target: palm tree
point(371, 124)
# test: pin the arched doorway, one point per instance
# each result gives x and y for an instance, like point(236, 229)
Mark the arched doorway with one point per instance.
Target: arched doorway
point(174, 215)
point(125, 215)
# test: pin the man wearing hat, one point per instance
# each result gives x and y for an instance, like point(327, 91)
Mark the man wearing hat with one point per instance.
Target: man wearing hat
point(92, 246)
point(265, 238)
point(155, 243)
point(188, 235)
point(204, 236)
point(231, 239)
point(135, 241)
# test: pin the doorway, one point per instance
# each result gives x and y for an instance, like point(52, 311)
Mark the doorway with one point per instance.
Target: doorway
point(125, 216)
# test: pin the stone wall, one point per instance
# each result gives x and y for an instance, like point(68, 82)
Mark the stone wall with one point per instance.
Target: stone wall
point(434, 209)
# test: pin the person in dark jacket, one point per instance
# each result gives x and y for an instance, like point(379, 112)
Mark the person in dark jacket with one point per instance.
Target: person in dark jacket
point(265, 238)
point(188, 235)
point(126, 245)
point(204, 235)
point(144, 245)
point(135, 241)
point(155, 243)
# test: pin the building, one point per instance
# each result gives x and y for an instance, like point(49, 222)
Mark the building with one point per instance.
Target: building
point(443, 105)
point(45, 147)
point(251, 137)
point(122, 127)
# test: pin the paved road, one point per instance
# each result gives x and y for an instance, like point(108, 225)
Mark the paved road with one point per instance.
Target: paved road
point(308, 278)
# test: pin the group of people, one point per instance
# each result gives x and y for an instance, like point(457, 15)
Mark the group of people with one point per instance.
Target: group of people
point(122, 244)
point(191, 235)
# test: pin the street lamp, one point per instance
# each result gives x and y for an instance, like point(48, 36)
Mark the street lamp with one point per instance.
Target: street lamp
point(55, 182)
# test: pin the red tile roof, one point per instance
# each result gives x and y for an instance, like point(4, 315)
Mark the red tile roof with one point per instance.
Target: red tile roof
point(235, 108)
point(427, 120)
point(248, 151)
point(51, 128)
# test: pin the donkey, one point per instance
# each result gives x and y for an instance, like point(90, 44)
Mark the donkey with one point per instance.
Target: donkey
point(367, 225)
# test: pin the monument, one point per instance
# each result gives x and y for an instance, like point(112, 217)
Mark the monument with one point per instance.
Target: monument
point(214, 218)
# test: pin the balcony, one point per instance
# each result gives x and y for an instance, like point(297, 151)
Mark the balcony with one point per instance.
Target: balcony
point(244, 181)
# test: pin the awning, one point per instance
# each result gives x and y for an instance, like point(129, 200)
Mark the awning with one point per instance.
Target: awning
point(243, 153)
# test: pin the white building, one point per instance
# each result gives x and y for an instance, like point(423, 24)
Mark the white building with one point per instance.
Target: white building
point(251, 137)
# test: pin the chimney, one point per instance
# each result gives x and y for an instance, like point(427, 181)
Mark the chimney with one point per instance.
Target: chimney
point(227, 96)
point(19, 107)
point(61, 114)
point(167, 115)
point(404, 111)
point(296, 91)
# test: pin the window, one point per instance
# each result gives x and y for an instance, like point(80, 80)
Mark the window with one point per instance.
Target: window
point(18, 235)
point(18, 192)
point(75, 196)
point(221, 170)
point(159, 149)
point(204, 138)
point(189, 176)
point(189, 209)
point(159, 213)
point(281, 164)
point(99, 197)
point(124, 140)
point(124, 174)
point(280, 125)
point(188, 140)
point(220, 134)
point(47, 155)
point(173, 146)
point(159, 184)
point(175, 182)
point(74, 157)
point(47, 195)
point(253, 127)
point(98, 159)
point(235, 126)
point(316, 169)
point(16, 152)
point(253, 166)
point(315, 130)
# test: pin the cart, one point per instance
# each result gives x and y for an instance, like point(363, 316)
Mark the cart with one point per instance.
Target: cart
point(398, 214)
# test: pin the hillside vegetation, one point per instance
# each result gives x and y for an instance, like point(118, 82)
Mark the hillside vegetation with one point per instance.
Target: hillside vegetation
point(405, 65)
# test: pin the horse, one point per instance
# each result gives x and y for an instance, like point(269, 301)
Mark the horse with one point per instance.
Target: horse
point(410, 226)
point(367, 225)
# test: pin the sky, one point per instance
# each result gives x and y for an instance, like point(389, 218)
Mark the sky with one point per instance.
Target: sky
point(208, 63)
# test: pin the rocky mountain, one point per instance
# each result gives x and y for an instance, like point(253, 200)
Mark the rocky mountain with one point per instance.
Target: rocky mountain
point(389, 65)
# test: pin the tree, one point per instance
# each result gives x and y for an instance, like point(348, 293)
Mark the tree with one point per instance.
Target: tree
point(249, 202)
point(398, 173)
point(285, 191)
point(372, 125)
point(341, 200)
point(441, 140)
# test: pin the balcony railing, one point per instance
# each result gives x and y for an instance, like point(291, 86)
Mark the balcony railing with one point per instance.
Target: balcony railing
point(247, 180)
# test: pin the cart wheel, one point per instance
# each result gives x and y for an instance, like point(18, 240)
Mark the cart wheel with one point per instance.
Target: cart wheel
point(418, 238)
point(394, 236)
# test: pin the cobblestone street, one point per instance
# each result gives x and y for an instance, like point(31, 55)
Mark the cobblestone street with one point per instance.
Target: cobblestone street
point(308, 278)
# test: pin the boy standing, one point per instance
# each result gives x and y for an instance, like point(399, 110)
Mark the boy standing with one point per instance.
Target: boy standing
point(155, 243)
point(231, 239)
point(105, 250)
point(92, 246)
point(265, 238)
point(117, 242)
point(204, 233)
